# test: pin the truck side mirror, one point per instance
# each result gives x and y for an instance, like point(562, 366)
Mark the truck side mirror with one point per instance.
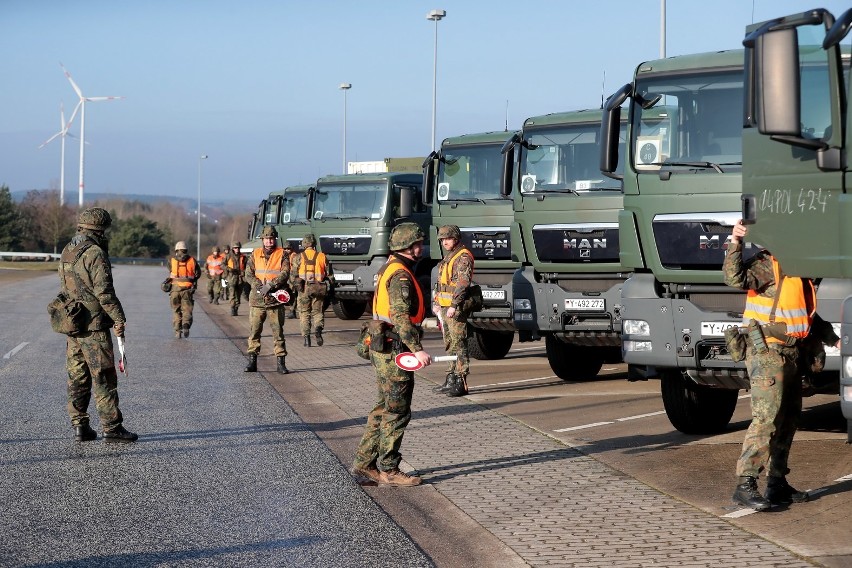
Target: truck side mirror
point(406, 201)
point(429, 179)
point(776, 83)
point(749, 203)
point(610, 128)
point(508, 172)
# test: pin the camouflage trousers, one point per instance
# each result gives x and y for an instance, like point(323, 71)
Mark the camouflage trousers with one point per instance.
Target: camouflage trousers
point(235, 283)
point(776, 404)
point(387, 421)
point(214, 287)
point(455, 343)
point(275, 315)
point(90, 364)
point(309, 306)
point(182, 302)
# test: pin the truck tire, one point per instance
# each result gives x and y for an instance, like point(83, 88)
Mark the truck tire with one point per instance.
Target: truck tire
point(349, 309)
point(486, 344)
point(573, 362)
point(696, 409)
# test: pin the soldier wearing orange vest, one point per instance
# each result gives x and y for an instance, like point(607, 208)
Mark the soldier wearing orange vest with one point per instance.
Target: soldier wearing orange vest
point(455, 276)
point(267, 270)
point(215, 267)
point(780, 314)
point(399, 302)
point(184, 273)
point(235, 268)
point(312, 275)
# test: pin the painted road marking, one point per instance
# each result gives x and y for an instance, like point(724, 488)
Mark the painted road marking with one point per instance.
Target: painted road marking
point(15, 350)
point(638, 416)
point(584, 426)
point(512, 382)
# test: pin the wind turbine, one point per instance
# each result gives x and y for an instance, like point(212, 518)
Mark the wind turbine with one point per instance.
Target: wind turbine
point(81, 106)
point(63, 132)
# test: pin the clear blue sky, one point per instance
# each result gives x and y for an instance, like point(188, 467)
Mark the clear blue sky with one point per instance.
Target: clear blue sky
point(254, 84)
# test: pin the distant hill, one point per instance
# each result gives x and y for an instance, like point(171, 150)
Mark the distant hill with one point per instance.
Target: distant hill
point(235, 206)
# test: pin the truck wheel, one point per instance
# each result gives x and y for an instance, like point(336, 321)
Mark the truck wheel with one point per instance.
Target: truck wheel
point(485, 344)
point(696, 409)
point(349, 309)
point(573, 362)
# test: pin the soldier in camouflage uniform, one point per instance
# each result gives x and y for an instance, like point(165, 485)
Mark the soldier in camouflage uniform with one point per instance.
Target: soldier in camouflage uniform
point(184, 273)
point(85, 273)
point(267, 270)
point(235, 267)
point(214, 268)
point(313, 277)
point(455, 276)
point(398, 302)
point(774, 368)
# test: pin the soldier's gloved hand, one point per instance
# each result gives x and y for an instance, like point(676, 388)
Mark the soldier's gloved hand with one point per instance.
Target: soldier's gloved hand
point(118, 329)
point(264, 290)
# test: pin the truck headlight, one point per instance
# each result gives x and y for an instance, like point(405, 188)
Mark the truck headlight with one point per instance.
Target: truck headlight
point(522, 304)
point(636, 327)
point(847, 367)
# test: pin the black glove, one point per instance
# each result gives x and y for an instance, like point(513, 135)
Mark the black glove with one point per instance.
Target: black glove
point(264, 290)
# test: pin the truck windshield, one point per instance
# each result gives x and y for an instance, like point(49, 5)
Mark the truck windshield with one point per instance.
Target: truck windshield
point(695, 123)
point(470, 173)
point(294, 208)
point(351, 201)
point(565, 159)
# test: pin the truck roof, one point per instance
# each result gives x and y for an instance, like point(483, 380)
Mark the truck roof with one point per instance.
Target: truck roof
point(693, 62)
point(569, 117)
point(291, 189)
point(497, 137)
point(377, 176)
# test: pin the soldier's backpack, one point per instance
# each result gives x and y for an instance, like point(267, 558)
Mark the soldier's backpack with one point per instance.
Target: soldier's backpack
point(68, 314)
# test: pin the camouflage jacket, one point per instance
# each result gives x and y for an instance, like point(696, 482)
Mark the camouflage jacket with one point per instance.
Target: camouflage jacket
point(462, 273)
point(235, 259)
point(281, 281)
point(402, 295)
point(91, 275)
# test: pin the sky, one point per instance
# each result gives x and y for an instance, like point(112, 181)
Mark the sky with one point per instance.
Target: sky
point(254, 84)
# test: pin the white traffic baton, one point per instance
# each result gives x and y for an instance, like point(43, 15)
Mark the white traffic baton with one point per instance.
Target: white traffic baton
point(408, 362)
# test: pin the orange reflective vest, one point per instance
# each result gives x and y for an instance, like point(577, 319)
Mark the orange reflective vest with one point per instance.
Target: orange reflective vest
point(381, 299)
point(446, 285)
point(182, 272)
point(313, 266)
point(264, 270)
point(214, 264)
point(796, 305)
point(240, 263)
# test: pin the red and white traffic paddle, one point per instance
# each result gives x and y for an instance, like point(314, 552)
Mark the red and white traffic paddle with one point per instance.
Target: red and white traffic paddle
point(408, 362)
point(283, 296)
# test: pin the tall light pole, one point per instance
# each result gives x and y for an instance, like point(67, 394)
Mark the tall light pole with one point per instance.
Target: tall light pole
point(198, 212)
point(344, 87)
point(435, 15)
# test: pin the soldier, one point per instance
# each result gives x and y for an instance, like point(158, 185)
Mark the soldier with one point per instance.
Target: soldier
point(313, 277)
point(225, 285)
point(267, 270)
point(780, 313)
point(85, 273)
point(214, 267)
point(235, 268)
point(184, 273)
point(455, 277)
point(294, 294)
point(399, 303)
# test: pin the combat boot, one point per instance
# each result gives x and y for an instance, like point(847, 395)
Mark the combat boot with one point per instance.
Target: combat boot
point(282, 368)
point(186, 331)
point(307, 341)
point(233, 310)
point(216, 301)
point(84, 433)
point(446, 386)
point(457, 387)
point(397, 478)
point(178, 333)
point(119, 435)
point(318, 335)
point(748, 495)
point(779, 492)
point(291, 314)
point(370, 473)
point(252, 363)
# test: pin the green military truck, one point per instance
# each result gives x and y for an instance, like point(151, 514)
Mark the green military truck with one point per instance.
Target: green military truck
point(796, 162)
point(461, 182)
point(352, 218)
point(566, 229)
point(289, 210)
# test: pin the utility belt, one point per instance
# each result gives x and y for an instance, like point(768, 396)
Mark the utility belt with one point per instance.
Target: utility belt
point(383, 339)
point(737, 338)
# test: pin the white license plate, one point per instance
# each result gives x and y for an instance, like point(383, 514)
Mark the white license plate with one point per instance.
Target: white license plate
point(344, 276)
point(716, 328)
point(493, 294)
point(585, 304)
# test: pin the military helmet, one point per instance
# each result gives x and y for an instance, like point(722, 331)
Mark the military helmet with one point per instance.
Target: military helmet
point(216, 250)
point(236, 244)
point(404, 235)
point(309, 241)
point(449, 232)
point(94, 218)
point(269, 231)
point(180, 245)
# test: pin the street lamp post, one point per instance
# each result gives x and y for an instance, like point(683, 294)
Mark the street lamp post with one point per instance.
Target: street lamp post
point(435, 15)
point(198, 212)
point(344, 87)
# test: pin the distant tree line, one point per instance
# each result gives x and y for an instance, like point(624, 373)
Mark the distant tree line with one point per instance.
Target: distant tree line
point(139, 230)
